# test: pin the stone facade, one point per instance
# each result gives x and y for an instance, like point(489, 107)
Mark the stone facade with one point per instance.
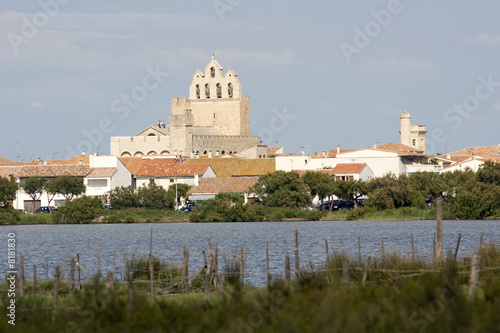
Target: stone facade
point(215, 119)
point(412, 135)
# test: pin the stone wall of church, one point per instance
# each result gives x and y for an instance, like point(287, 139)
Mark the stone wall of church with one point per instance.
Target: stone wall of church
point(229, 116)
point(202, 144)
point(127, 146)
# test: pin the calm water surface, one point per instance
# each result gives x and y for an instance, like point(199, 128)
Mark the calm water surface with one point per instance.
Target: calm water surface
point(61, 242)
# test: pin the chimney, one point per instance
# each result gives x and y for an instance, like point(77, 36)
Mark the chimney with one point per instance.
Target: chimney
point(448, 156)
point(45, 162)
point(196, 180)
point(338, 149)
point(191, 154)
point(83, 152)
point(324, 153)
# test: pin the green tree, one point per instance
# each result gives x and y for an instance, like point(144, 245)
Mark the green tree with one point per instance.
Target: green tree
point(350, 190)
point(474, 200)
point(182, 190)
point(320, 183)
point(152, 196)
point(70, 186)
point(389, 192)
point(283, 189)
point(79, 210)
point(8, 190)
point(489, 173)
point(123, 197)
point(51, 188)
point(34, 187)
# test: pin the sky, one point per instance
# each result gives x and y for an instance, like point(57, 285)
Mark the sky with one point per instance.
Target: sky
point(319, 73)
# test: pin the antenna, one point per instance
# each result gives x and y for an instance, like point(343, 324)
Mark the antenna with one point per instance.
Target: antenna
point(54, 156)
point(17, 151)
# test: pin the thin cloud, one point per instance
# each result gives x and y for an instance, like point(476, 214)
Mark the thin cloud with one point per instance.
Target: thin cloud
point(484, 39)
point(36, 105)
point(398, 66)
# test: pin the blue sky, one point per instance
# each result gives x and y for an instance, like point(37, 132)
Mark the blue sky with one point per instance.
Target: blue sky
point(319, 74)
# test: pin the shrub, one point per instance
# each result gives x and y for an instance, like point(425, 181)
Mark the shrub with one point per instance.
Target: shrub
point(112, 219)
point(80, 210)
point(129, 219)
point(8, 215)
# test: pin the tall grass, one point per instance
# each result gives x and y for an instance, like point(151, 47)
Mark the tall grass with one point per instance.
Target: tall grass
point(398, 295)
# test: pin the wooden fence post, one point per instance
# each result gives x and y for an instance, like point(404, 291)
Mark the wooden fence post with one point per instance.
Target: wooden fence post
point(297, 269)
point(434, 246)
point(267, 266)
point(287, 269)
point(327, 255)
point(34, 279)
point(359, 249)
point(185, 272)
point(383, 250)
point(458, 245)
point(21, 275)
point(439, 225)
point(345, 274)
point(412, 248)
point(78, 270)
point(216, 266)
point(242, 271)
point(46, 267)
point(72, 277)
point(365, 270)
point(222, 283)
point(56, 292)
point(151, 274)
point(474, 275)
point(98, 259)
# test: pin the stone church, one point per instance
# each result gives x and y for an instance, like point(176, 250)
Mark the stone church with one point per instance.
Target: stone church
point(214, 120)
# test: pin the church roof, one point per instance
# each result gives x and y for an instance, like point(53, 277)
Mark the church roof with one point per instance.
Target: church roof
point(159, 130)
point(223, 185)
point(235, 167)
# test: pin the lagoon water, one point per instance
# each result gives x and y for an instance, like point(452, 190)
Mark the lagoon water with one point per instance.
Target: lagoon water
point(61, 242)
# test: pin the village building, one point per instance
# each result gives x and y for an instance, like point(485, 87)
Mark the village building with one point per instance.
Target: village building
point(100, 174)
point(208, 188)
point(412, 135)
point(472, 163)
point(213, 121)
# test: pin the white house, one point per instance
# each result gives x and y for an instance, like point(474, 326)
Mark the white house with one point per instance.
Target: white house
point(471, 163)
point(99, 173)
point(106, 173)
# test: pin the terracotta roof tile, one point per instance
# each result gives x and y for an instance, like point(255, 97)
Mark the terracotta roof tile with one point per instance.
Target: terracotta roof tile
point(101, 172)
point(5, 161)
point(348, 168)
point(164, 167)
point(273, 150)
point(399, 147)
point(467, 152)
point(229, 167)
point(134, 164)
point(224, 185)
point(24, 171)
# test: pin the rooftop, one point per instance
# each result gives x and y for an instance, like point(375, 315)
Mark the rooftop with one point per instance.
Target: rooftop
point(234, 167)
point(223, 185)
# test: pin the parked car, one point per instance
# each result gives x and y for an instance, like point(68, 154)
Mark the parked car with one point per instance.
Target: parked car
point(337, 204)
point(187, 206)
point(45, 209)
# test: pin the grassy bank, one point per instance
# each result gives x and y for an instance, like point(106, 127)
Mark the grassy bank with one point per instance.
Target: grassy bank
point(142, 215)
point(390, 294)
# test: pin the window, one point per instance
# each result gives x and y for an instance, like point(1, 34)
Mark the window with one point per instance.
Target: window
point(212, 72)
point(230, 90)
point(207, 90)
point(414, 142)
point(198, 91)
point(219, 90)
